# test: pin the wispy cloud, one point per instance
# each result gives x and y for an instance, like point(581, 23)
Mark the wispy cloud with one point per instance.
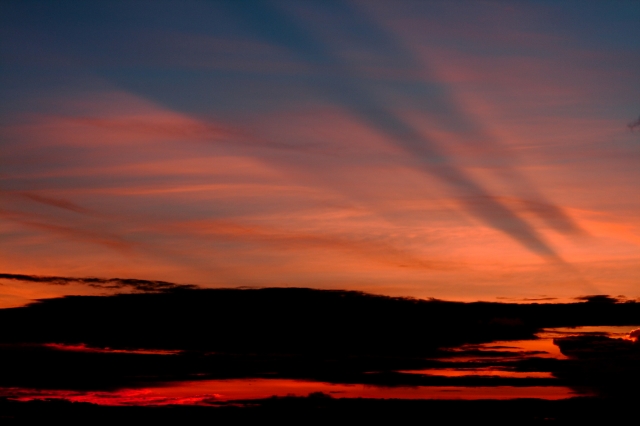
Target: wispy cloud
point(54, 201)
point(73, 231)
point(103, 283)
point(354, 94)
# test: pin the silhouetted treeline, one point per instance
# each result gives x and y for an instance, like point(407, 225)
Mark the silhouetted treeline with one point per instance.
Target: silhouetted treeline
point(610, 367)
point(291, 320)
point(326, 336)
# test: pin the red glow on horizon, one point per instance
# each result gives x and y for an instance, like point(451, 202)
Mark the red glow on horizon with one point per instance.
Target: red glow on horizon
point(81, 347)
point(481, 372)
point(212, 391)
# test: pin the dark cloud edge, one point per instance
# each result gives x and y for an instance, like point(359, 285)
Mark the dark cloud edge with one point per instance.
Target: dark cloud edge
point(152, 286)
point(104, 283)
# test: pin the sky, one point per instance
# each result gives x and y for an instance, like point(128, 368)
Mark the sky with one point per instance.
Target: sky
point(450, 149)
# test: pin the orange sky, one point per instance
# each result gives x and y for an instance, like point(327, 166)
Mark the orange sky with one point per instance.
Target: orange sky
point(453, 154)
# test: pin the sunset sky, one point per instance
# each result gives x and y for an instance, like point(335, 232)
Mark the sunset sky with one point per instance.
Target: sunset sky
point(449, 149)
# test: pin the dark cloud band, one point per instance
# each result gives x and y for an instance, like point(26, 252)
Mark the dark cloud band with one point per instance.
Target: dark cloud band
point(106, 283)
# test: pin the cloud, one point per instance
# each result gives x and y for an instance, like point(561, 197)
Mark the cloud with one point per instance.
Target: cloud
point(380, 250)
point(264, 320)
point(634, 124)
point(345, 86)
point(598, 298)
point(55, 202)
point(528, 299)
point(87, 235)
point(551, 214)
point(606, 365)
point(353, 93)
point(106, 283)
